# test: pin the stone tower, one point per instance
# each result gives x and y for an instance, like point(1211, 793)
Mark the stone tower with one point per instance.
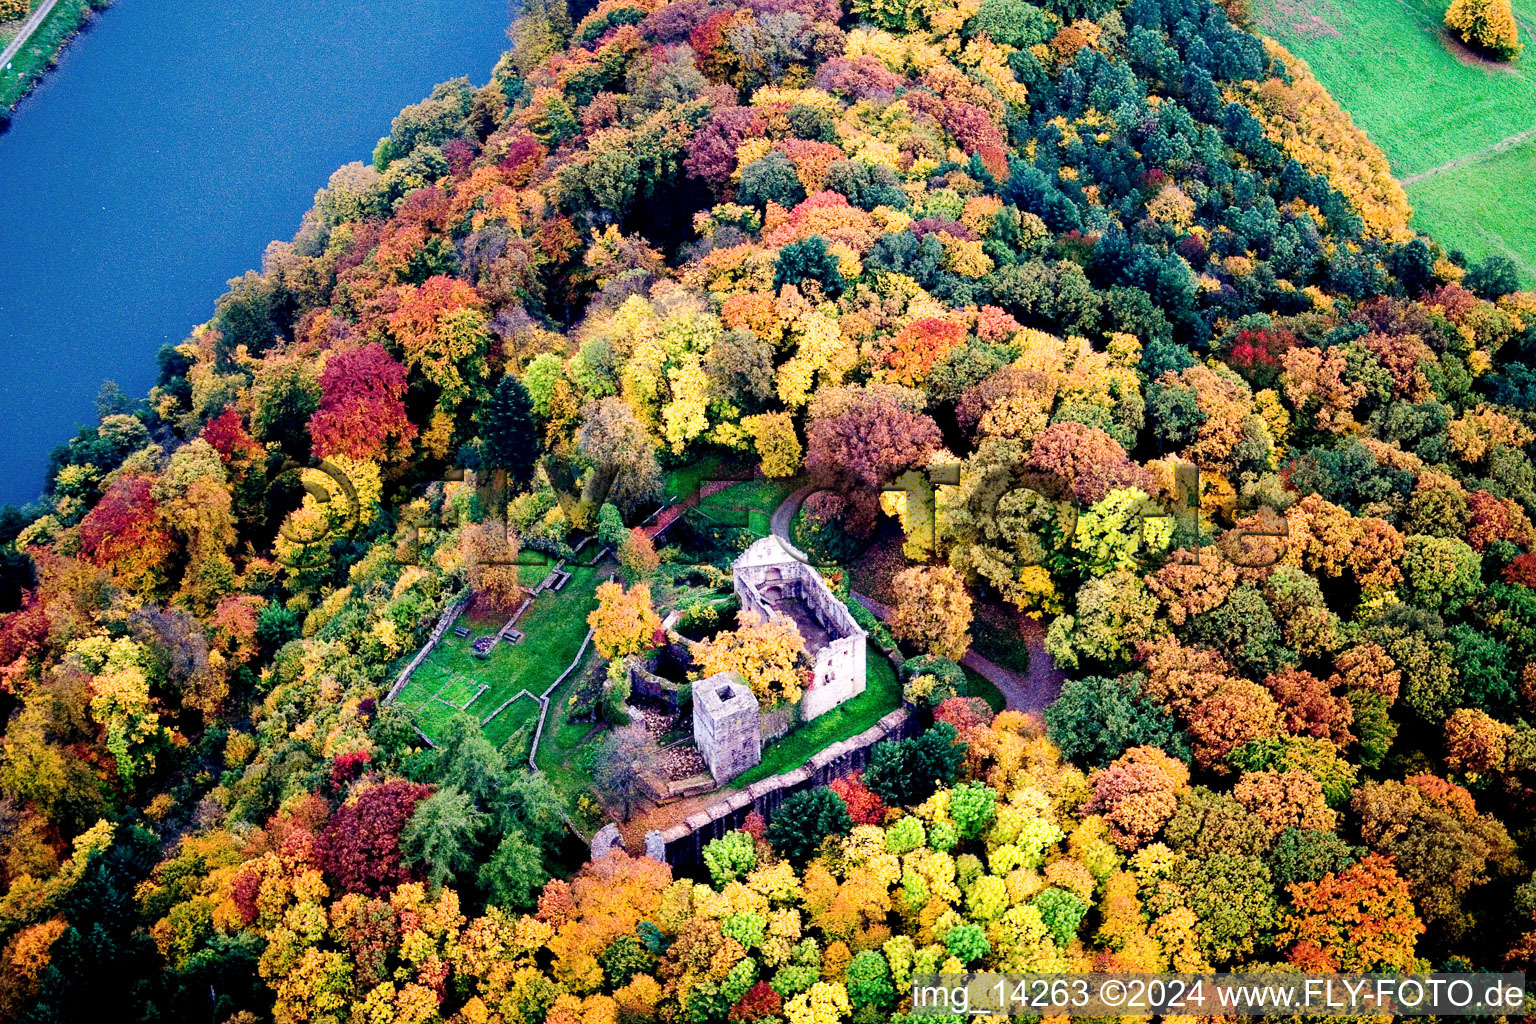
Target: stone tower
point(725, 725)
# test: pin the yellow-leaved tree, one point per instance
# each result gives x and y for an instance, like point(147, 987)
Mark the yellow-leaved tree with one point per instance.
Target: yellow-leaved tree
point(767, 654)
point(1486, 25)
point(933, 610)
point(624, 622)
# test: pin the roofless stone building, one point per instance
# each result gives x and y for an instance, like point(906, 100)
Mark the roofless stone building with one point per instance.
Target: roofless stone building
point(772, 582)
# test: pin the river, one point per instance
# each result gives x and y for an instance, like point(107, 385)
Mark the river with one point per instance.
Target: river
point(174, 141)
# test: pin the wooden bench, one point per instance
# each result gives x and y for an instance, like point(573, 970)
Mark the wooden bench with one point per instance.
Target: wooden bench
point(461, 631)
point(512, 636)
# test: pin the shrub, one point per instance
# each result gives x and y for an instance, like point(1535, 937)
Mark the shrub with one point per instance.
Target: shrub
point(1487, 25)
point(948, 679)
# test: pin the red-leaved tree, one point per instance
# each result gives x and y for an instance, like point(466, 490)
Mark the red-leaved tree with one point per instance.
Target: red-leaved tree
point(360, 848)
point(362, 406)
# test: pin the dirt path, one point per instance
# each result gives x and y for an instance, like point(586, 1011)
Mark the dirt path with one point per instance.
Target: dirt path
point(1032, 692)
point(1502, 146)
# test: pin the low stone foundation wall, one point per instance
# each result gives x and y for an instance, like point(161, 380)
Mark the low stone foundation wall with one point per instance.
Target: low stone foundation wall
point(682, 846)
point(450, 613)
point(644, 683)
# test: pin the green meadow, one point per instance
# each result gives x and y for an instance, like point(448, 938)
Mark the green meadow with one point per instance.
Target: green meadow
point(1428, 102)
point(451, 678)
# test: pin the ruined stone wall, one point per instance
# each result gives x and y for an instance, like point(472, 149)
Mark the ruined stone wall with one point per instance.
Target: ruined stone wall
point(839, 677)
point(840, 665)
point(645, 683)
point(682, 845)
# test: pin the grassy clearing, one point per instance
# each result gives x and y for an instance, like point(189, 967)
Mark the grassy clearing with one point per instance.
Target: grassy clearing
point(749, 504)
point(978, 685)
point(881, 696)
point(554, 627)
point(38, 55)
point(1390, 64)
point(682, 481)
point(1426, 102)
point(1485, 209)
point(561, 742)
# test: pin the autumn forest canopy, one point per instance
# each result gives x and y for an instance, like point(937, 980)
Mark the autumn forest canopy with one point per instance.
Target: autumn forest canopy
point(1070, 266)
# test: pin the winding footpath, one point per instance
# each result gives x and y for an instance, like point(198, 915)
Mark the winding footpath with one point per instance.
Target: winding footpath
point(1502, 146)
point(1023, 692)
point(38, 17)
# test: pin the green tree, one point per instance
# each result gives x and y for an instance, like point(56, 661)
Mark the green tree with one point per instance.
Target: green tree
point(1243, 628)
point(1306, 854)
point(512, 438)
point(1441, 573)
point(771, 179)
point(805, 820)
point(909, 771)
point(869, 981)
point(1234, 899)
point(730, 857)
point(1095, 719)
point(809, 260)
point(515, 873)
point(616, 767)
point(611, 531)
point(442, 833)
point(469, 763)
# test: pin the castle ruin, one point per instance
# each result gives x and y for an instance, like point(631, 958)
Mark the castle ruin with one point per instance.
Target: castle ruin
point(772, 582)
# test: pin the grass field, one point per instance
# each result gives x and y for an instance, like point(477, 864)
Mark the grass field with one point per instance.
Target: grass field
point(749, 504)
point(1426, 101)
point(553, 626)
point(1486, 208)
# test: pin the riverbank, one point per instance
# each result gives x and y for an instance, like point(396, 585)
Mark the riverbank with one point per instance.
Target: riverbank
point(41, 51)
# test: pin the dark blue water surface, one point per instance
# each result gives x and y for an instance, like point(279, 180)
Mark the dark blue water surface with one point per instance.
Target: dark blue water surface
point(175, 140)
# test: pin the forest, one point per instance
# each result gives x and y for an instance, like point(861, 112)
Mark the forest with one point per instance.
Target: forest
point(1098, 313)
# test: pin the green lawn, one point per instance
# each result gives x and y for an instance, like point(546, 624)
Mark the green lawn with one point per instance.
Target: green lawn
point(748, 504)
point(561, 742)
point(1388, 62)
point(682, 481)
point(881, 696)
point(978, 685)
point(554, 627)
